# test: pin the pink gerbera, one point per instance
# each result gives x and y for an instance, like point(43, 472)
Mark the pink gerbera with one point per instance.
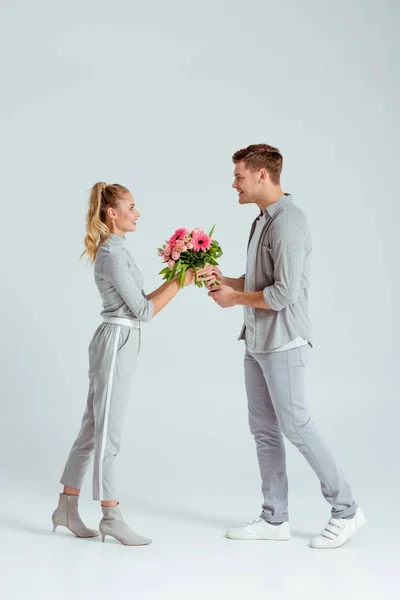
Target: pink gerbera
point(201, 241)
point(179, 234)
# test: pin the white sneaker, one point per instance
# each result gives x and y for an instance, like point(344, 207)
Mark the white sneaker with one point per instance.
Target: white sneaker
point(338, 531)
point(260, 530)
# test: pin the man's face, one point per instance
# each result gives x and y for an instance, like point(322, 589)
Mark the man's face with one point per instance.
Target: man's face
point(246, 183)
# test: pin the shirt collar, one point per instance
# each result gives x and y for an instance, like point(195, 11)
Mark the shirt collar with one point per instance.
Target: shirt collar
point(116, 240)
point(273, 208)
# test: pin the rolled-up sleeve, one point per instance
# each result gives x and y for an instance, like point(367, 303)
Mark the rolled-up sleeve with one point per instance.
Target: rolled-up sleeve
point(288, 256)
point(120, 276)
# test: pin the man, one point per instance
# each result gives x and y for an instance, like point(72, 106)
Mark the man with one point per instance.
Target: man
point(277, 334)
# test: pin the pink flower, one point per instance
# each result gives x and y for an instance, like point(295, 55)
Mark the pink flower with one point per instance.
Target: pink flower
point(190, 246)
point(201, 241)
point(179, 234)
point(179, 246)
point(175, 255)
point(160, 253)
point(171, 264)
point(167, 252)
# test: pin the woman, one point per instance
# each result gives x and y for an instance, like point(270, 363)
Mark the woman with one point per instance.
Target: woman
point(113, 353)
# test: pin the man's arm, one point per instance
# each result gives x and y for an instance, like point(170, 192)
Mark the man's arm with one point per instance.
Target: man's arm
point(215, 275)
point(254, 299)
point(236, 283)
point(288, 256)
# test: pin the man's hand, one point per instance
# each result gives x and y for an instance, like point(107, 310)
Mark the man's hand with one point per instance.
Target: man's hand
point(224, 296)
point(213, 277)
point(190, 278)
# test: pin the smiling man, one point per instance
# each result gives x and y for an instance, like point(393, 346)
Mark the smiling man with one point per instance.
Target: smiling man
point(277, 335)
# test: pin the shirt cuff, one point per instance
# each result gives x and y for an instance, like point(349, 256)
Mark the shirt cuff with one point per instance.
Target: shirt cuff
point(150, 311)
point(271, 299)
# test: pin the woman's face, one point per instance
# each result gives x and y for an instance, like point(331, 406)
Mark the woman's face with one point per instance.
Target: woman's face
point(124, 217)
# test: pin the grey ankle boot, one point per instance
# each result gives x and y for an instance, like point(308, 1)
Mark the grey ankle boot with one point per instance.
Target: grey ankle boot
point(67, 515)
point(113, 524)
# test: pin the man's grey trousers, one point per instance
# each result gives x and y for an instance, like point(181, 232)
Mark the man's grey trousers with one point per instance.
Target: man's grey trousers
point(275, 385)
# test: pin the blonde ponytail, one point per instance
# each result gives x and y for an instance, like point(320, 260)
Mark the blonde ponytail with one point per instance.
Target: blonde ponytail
point(102, 196)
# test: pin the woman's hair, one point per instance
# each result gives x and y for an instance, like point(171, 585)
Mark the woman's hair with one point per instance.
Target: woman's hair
point(102, 196)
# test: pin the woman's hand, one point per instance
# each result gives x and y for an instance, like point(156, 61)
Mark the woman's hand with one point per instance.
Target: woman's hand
point(189, 277)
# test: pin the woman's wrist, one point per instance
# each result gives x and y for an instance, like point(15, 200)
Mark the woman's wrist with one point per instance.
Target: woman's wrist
point(175, 284)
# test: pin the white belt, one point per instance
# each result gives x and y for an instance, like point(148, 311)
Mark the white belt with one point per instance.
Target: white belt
point(122, 321)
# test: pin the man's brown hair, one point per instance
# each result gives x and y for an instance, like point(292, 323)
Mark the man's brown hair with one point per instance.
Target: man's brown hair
point(261, 156)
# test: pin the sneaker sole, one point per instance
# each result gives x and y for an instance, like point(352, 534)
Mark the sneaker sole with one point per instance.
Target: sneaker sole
point(259, 539)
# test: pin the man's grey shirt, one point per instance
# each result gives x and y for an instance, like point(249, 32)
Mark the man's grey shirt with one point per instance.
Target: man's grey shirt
point(279, 265)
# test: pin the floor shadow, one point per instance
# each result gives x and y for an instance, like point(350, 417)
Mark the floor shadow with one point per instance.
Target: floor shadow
point(183, 514)
point(13, 524)
point(296, 533)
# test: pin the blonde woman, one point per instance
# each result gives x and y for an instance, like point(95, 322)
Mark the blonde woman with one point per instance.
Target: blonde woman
point(113, 354)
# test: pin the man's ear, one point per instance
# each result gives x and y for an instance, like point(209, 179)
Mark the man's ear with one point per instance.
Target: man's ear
point(263, 175)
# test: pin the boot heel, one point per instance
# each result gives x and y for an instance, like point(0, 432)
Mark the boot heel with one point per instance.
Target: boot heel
point(103, 538)
point(113, 525)
point(54, 527)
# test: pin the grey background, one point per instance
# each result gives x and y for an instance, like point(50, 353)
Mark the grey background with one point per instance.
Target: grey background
point(157, 97)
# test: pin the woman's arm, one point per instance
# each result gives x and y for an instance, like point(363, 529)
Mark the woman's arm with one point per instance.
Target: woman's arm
point(158, 290)
point(163, 295)
point(145, 308)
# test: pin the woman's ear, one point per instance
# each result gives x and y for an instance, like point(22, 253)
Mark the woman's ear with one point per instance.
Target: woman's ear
point(110, 213)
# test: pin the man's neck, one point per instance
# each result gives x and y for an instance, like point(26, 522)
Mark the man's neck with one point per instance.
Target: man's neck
point(270, 197)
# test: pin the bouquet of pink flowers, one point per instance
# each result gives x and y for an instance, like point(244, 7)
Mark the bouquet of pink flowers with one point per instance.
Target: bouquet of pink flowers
point(188, 249)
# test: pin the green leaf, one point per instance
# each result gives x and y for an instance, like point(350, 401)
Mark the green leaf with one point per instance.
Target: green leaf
point(211, 232)
point(182, 277)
